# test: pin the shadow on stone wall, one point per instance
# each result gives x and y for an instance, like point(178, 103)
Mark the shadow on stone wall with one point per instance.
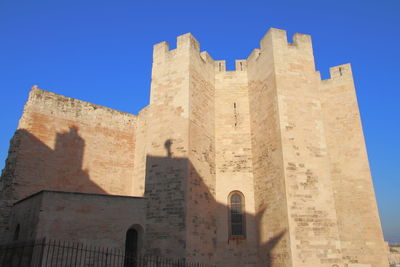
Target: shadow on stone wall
point(41, 167)
point(182, 217)
point(181, 212)
point(32, 166)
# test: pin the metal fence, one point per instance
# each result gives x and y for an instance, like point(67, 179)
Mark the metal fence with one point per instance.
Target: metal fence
point(43, 253)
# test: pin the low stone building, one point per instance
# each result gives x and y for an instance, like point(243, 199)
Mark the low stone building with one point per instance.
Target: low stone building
point(394, 255)
point(265, 165)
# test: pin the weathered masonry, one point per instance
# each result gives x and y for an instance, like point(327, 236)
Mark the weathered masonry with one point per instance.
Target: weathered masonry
point(262, 166)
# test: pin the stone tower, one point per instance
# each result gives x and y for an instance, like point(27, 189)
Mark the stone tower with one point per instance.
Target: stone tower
point(290, 144)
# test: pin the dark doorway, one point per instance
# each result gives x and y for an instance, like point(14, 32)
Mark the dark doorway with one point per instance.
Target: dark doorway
point(131, 248)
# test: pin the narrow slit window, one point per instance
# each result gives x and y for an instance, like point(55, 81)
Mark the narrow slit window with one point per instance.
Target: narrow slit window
point(340, 71)
point(241, 65)
point(220, 66)
point(235, 115)
point(16, 233)
point(236, 215)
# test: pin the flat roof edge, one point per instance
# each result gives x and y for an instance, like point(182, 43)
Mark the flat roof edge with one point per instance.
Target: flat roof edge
point(72, 193)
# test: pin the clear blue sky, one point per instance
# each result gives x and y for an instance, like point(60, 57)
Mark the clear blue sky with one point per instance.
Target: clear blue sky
point(101, 51)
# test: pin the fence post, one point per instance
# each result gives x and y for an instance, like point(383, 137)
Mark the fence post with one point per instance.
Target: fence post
point(36, 256)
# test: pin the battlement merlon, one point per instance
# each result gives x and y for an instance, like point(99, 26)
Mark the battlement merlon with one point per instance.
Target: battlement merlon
point(160, 50)
point(278, 38)
point(187, 42)
point(206, 57)
point(340, 73)
point(254, 55)
point(220, 65)
point(241, 65)
point(184, 43)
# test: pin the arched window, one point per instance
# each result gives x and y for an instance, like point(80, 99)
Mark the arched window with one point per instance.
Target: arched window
point(237, 226)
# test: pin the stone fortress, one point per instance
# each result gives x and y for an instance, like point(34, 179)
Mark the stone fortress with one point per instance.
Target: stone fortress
point(262, 166)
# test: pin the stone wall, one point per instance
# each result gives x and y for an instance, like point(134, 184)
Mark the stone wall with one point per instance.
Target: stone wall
point(234, 169)
point(66, 144)
point(24, 219)
point(358, 219)
point(93, 219)
point(139, 166)
point(269, 185)
point(313, 231)
point(166, 149)
point(200, 188)
point(180, 176)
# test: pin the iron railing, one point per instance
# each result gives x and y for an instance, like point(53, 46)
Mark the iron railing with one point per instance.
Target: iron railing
point(49, 253)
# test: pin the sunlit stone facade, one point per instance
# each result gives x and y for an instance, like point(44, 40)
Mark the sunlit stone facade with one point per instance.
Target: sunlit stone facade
point(265, 165)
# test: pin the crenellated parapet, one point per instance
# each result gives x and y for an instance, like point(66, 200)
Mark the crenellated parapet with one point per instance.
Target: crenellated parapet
point(185, 44)
point(240, 65)
point(277, 38)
